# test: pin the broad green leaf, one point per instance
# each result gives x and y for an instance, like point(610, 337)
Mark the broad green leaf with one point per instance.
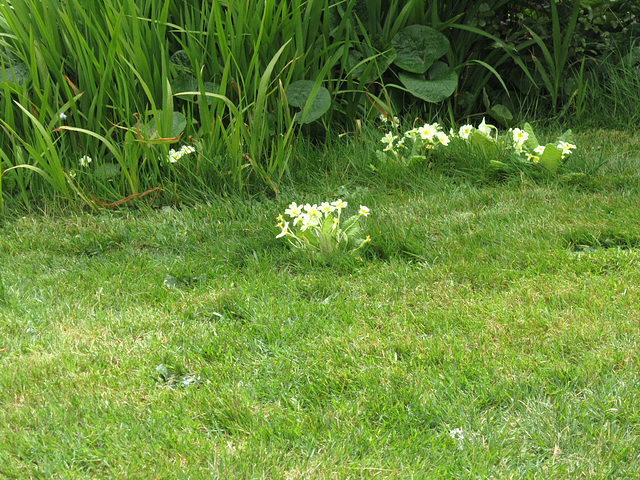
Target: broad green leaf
point(551, 158)
point(502, 114)
point(171, 282)
point(418, 47)
point(187, 83)
point(442, 81)
point(298, 95)
point(181, 59)
point(150, 130)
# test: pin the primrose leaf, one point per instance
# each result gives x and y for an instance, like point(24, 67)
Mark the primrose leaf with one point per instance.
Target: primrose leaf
point(566, 137)
point(299, 94)
point(328, 225)
point(418, 47)
point(483, 143)
point(531, 142)
point(163, 372)
point(551, 158)
point(181, 59)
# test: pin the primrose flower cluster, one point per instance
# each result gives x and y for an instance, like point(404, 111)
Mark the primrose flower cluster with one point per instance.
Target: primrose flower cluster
point(523, 144)
point(417, 142)
point(414, 144)
point(174, 155)
point(320, 229)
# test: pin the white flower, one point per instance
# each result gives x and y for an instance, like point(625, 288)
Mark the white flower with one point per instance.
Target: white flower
point(519, 136)
point(388, 139)
point(326, 208)
point(294, 210)
point(339, 204)
point(413, 133)
point(457, 434)
point(428, 131)
point(173, 156)
point(364, 210)
point(485, 128)
point(566, 147)
point(285, 230)
point(443, 138)
point(62, 116)
point(539, 149)
point(313, 213)
point(465, 131)
point(306, 223)
point(85, 161)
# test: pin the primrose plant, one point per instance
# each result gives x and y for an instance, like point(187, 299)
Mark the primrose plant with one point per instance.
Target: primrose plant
point(321, 230)
point(522, 143)
point(417, 143)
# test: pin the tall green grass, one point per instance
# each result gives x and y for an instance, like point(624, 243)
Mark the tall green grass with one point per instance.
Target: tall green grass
point(121, 71)
point(125, 81)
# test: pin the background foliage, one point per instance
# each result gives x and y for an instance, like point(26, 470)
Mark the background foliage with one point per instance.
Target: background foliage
point(124, 81)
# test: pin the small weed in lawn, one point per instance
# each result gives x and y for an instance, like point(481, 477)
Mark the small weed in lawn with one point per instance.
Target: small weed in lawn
point(585, 240)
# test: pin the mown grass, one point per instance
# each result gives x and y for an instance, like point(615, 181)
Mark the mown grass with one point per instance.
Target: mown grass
point(509, 311)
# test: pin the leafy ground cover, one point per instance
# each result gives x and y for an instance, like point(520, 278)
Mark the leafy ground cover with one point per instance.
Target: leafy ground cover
point(489, 331)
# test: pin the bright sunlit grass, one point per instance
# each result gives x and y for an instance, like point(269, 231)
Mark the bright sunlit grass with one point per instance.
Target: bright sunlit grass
point(487, 331)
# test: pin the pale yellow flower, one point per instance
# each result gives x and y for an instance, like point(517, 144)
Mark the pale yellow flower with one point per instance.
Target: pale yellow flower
point(294, 210)
point(428, 131)
point(443, 138)
point(285, 230)
point(465, 131)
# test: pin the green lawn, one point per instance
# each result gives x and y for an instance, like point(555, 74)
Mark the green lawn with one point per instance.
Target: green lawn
point(191, 343)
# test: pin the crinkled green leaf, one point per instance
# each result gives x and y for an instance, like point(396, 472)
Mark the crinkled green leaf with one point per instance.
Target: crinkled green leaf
point(483, 143)
point(551, 158)
point(532, 141)
point(440, 84)
point(566, 137)
point(328, 225)
point(298, 93)
point(418, 47)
